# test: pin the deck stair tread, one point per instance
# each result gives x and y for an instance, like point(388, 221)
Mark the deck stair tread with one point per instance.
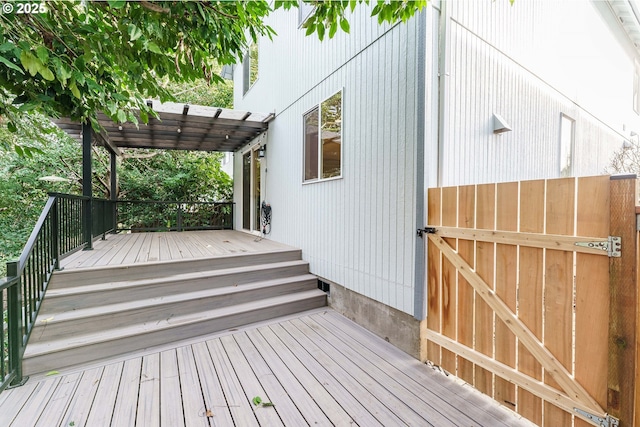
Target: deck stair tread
point(132, 283)
point(36, 349)
point(158, 269)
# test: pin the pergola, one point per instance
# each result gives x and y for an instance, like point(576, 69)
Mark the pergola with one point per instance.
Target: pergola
point(178, 127)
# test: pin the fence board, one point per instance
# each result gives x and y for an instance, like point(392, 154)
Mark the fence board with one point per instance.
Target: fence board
point(466, 295)
point(506, 282)
point(558, 288)
point(592, 291)
point(623, 314)
point(484, 318)
point(433, 276)
point(530, 290)
point(449, 278)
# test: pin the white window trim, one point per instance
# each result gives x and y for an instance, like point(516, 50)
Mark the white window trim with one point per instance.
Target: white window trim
point(319, 106)
point(248, 76)
point(571, 147)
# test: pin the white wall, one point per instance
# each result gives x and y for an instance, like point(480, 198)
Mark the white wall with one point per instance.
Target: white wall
point(357, 231)
point(530, 62)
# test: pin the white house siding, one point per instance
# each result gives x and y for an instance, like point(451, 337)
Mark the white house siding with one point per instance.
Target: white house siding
point(357, 231)
point(529, 63)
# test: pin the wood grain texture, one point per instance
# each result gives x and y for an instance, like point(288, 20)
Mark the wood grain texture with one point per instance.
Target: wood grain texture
point(532, 200)
point(507, 199)
point(449, 278)
point(558, 287)
point(484, 330)
point(466, 294)
point(624, 304)
point(434, 280)
point(592, 291)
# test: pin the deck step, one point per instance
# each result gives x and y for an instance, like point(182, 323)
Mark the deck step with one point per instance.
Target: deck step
point(85, 348)
point(112, 292)
point(53, 326)
point(90, 314)
point(159, 269)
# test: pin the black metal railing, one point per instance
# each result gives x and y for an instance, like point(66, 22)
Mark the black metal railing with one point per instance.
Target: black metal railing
point(58, 231)
point(138, 216)
point(62, 230)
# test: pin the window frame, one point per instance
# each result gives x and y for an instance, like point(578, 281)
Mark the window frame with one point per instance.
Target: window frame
point(636, 87)
point(247, 84)
point(320, 161)
point(567, 148)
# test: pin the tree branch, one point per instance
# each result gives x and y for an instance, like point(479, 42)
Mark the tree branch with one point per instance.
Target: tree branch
point(153, 7)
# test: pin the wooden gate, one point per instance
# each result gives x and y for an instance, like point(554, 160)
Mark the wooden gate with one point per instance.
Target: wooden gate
point(533, 296)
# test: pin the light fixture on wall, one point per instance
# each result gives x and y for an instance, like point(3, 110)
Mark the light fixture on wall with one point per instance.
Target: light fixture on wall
point(500, 125)
point(262, 151)
point(628, 143)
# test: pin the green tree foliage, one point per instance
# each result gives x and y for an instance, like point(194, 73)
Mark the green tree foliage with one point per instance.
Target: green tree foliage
point(78, 58)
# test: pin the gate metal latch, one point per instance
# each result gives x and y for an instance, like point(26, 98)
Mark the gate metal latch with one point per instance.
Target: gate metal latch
point(428, 230)
point(613, 246)
point(607, 421)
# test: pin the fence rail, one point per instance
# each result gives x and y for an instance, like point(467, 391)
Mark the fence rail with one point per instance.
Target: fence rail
point(62, 230)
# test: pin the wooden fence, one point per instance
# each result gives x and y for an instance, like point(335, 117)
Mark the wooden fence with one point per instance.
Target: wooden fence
point(531, 301)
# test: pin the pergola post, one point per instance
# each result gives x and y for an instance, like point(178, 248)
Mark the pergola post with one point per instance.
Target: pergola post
point(114, 190)
point(87, 185)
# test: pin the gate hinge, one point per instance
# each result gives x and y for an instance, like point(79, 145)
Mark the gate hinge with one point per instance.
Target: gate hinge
point(613, 246)
point(428, 230)
point(607, 421)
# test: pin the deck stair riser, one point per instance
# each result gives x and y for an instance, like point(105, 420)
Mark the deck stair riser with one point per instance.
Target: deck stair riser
point(95, 313)
point(161, 269)
point(97, 295)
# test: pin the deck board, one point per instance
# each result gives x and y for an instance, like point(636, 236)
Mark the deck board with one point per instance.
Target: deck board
point(124, 414)
point(133, 248)
point(148, 408)
point(54, 410)
point(77, 412)
point(317, 367)
point(105, 398)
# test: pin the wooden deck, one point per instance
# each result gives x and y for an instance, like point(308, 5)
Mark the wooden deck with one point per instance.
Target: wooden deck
point(133, 248)
point(316, 368)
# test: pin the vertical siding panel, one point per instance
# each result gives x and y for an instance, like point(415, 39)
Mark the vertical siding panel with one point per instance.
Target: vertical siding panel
point(400, 153)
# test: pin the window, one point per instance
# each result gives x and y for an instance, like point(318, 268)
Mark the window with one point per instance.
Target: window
point(250, 67)
point(636, 88)
point(567, 136)
point(323, 140)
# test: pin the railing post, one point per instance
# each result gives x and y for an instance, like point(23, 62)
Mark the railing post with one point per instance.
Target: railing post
point(56, 233)
point(14, 304)
point(179, 219)
point(87, 184)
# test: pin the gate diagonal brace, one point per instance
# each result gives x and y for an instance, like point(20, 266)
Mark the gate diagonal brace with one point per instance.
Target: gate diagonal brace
point(607, 421)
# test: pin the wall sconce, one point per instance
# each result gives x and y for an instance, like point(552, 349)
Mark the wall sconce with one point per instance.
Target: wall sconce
point(500, 125)
point(262, 151)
